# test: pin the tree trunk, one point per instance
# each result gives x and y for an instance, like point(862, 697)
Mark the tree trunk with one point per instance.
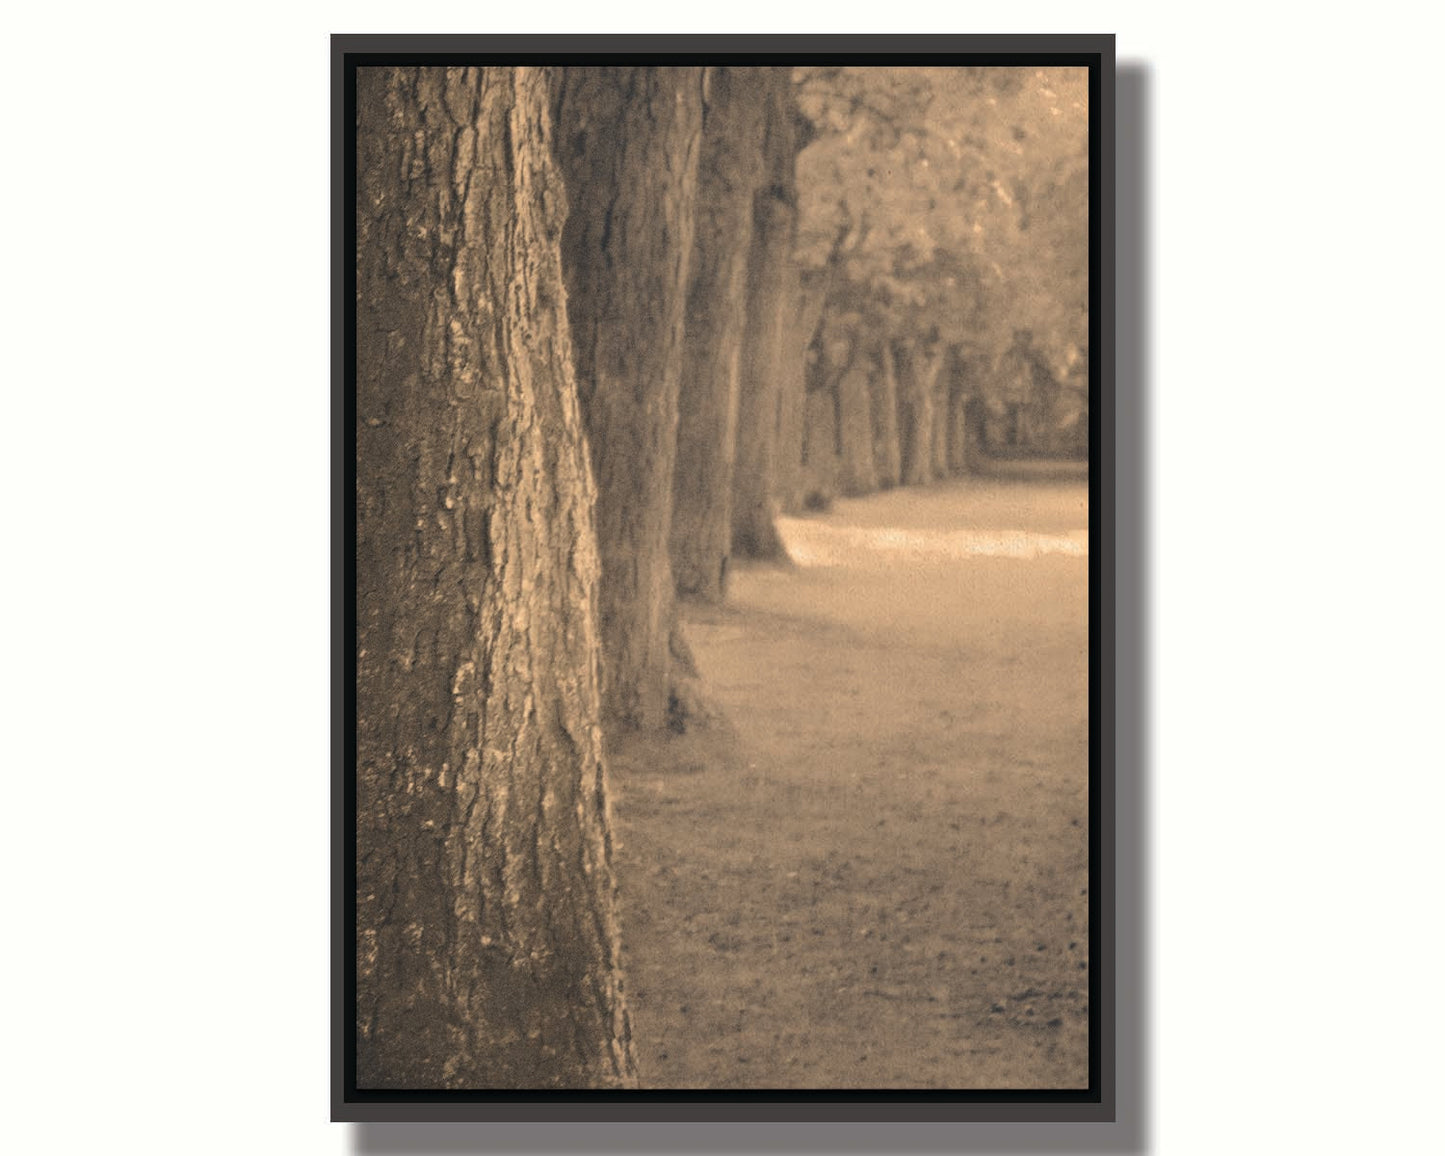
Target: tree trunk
point(918, 371)
point(883, 396)
point(793, 405)
point(959, 385)
point(772, 295)
point(628, 142)
point(957, 432)
point(939, 466)
point(487, 949)
point(974, 432)
point(820, 449)
point(856, 472)
point(729, 174)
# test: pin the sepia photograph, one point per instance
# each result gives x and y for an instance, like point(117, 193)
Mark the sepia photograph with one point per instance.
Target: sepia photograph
point(722, 672)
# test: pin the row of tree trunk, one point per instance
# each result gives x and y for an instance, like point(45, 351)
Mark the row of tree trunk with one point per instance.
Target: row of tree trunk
point(580, 348)
point(883, 413)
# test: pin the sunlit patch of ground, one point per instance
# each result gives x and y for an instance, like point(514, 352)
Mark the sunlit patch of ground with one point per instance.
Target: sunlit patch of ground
point(876, 876)
point(811, 543)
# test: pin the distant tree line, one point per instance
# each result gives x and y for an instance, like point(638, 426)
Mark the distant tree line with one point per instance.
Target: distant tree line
point(943, 242)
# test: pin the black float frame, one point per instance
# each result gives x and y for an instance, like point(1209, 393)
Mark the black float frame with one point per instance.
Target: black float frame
point(1096, 1103)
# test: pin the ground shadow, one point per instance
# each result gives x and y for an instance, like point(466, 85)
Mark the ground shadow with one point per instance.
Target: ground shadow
point(1131, 1132)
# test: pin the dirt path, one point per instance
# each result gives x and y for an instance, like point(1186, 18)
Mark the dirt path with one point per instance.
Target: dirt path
point(875, 876)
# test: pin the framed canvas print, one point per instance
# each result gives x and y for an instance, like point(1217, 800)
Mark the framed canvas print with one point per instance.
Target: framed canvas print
point(723, 518)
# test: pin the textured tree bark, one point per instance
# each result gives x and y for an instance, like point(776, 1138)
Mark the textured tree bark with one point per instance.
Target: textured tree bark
point(628, 142)
point(729, 175)
point(883, 398)
point(772, 296)
point(487, 947)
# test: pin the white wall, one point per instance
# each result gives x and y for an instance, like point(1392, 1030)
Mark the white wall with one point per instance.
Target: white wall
point(166, 487)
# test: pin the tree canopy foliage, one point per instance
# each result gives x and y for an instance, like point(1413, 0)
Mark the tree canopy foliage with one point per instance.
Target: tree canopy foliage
point(952, 201)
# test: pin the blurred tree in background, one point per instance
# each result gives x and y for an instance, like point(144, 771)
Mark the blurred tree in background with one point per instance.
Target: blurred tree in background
point(946, 209)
